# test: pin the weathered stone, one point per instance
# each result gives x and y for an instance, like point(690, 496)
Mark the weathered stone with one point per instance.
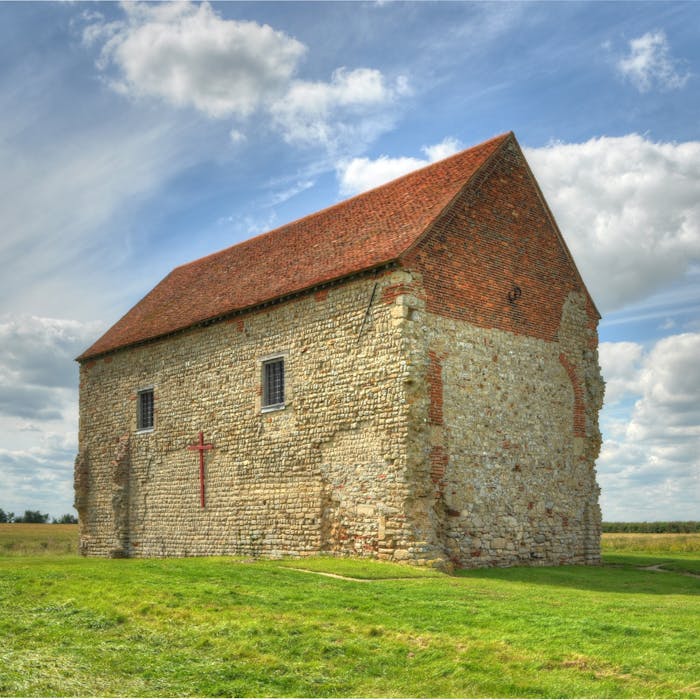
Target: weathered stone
point(435, 412)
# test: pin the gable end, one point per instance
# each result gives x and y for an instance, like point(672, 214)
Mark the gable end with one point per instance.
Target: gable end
point(496, 258)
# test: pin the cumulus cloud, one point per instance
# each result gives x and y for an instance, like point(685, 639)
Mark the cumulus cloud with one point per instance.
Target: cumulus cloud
point(362, 174)
point(629, 209)
point(39, 477)
point(38, 409)
point(621, 364)
point(189, 56)
point(650, 463)
point(649, 64)
point(670, 385)
point(40, 351)
point(37, 369)
point(327, 113)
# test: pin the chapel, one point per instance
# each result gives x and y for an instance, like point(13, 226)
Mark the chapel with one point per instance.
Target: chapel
point(409, 375)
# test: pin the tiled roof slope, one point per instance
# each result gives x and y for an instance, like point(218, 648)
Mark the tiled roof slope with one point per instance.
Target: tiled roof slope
point(358, 234)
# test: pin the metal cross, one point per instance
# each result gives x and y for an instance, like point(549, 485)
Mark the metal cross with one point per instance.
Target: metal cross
point(201, 447)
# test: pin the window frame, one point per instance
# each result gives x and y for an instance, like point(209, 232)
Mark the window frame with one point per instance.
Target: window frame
point(141, 427)
point(264, 381)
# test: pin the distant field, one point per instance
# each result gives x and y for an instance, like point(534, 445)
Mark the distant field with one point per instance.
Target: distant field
point(23, 539)
point(227, 627)
point(650, 543)
point(676, 552)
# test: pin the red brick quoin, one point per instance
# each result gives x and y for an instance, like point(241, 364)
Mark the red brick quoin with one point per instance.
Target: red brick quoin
point(435, 388)
point(579, 406)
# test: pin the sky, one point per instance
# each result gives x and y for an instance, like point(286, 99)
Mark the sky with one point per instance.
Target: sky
point(137, 137)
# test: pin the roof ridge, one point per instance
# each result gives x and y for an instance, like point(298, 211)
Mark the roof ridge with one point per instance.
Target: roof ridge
point(371, 228)
point(343, 202)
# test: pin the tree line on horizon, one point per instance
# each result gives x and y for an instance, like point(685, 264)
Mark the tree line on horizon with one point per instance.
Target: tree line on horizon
point(36, 516)
point(670, 526)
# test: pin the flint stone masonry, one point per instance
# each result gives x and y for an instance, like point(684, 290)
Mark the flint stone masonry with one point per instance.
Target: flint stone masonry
point(320, 474)
point(432, 414)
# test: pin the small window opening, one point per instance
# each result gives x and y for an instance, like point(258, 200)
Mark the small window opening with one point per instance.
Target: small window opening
point(144, 418)
point(273, 383)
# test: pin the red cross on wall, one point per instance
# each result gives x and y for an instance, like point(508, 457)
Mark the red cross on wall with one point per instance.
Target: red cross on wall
point(201, 447)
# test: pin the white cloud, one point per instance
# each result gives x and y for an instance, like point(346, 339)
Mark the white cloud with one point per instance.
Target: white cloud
point(439, 151)
point(620, 363)
point(39, 351)
point(38, 410)
point(236, 136)
point(629, 209)
point(188, 56)
point(649, 64)
point(362, 174)
point(348, 108)
point(37, 363)
point(650, 462)
point(39, 477)
point(281, 196)
point(670, 384)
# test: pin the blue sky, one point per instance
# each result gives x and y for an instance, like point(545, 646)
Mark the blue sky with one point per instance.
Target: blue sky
point(134, 138)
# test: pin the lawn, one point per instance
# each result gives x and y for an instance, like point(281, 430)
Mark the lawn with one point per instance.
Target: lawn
point(229, 627)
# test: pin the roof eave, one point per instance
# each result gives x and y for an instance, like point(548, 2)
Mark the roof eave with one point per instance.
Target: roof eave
point(377, 267)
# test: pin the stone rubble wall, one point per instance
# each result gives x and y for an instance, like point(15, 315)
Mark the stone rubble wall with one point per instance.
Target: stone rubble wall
point(444, 412)
point(504, 425)
point(325, 474)
point(517, 485)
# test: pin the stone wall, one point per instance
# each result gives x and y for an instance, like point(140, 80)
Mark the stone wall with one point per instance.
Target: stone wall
point(442, 412)
point(503, 439)
point(504, 425)
point(515, 482)
point(326, 473)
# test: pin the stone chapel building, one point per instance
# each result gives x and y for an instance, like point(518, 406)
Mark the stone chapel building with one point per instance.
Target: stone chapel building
point(411, 375)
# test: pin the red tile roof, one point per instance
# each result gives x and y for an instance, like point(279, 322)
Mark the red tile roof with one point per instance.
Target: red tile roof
point(361, 233)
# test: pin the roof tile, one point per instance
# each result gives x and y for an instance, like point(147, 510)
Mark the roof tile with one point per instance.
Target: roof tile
point(358, 234)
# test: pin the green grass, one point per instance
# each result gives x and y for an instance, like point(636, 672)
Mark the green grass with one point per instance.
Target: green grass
point(361, 569)
point(226, 627)
point(674, 552)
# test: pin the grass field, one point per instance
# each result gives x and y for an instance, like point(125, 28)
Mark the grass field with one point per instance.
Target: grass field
point(675, 552)
point(228, 627)
point(23, 539)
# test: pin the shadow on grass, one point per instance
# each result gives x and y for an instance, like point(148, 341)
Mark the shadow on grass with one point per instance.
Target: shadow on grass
point(610, 578)
point(682, 563)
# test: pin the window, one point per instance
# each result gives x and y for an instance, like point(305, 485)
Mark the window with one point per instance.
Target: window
point(273, 383)
point(144, 415)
